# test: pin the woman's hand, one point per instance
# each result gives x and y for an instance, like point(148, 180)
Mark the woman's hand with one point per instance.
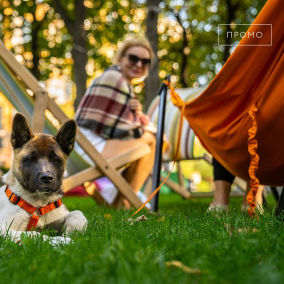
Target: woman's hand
point(144, 119)
point(135, 105)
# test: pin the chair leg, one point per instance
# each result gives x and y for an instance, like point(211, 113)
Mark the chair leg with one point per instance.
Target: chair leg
point(280, 205)
point(91, 189)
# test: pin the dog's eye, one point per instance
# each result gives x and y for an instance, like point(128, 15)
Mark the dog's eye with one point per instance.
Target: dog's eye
point(55, 159)
point(30, 159)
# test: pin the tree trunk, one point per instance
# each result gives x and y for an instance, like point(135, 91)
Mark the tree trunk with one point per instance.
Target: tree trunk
point(153, 80)
point(35, 49)
point(231, 10)
point(79, 54)
point(79, 51)
point(183, 80)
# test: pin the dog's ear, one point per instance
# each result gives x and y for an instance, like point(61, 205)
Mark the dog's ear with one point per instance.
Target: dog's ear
point(66, 135)
point(21, 131)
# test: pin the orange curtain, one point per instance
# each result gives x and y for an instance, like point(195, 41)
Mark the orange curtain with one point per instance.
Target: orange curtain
point(252, 76)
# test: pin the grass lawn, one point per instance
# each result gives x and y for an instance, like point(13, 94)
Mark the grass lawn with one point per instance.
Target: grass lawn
point(113, 251)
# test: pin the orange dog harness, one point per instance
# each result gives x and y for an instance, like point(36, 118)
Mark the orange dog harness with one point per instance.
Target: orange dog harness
point(17, 200)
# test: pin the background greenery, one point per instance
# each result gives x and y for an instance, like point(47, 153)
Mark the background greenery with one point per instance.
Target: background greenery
point(187, 34)
point(68, 36)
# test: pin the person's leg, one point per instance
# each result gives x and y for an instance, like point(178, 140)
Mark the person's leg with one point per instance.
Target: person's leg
point(222, 193)
point(258, 197)
point(139, 170)
point(223, 180)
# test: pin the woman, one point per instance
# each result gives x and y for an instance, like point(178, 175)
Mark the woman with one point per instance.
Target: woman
point(110, 115)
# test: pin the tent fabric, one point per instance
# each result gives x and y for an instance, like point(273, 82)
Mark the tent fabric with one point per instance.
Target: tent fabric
point(251, 80)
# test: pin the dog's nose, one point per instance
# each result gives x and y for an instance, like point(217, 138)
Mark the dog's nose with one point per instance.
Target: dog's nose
point(46, 178)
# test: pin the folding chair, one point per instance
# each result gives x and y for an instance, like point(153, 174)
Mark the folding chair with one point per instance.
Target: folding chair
point(27, 96)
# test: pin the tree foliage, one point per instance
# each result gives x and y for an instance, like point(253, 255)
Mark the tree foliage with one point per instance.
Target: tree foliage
point(40, 35)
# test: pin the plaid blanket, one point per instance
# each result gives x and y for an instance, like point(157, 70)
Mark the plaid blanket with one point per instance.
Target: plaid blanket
point(104, 108)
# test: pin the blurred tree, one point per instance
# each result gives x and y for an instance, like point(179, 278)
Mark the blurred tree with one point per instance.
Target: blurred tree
point(35, 35)
point(152, 81)
point(74, 18)
point(191, 47)
point(231, 16)
point(186, 39)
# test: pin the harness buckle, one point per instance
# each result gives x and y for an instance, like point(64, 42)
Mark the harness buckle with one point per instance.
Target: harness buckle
point(56, 204)
point(18, 198)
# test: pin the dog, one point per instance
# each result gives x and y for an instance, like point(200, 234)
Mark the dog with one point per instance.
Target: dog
point(31, 199)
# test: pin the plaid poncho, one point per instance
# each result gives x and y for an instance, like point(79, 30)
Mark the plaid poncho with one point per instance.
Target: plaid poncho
point(104, 108)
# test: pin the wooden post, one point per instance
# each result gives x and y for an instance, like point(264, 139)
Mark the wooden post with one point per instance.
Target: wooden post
point(41, 99)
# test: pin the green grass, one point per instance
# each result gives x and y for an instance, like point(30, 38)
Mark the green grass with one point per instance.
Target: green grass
point(113, 251)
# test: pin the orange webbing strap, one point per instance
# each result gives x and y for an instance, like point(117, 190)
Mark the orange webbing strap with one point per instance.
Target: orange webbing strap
point(33, 222)
point(49, 207)
point(254, 159)
point(17, 200)
point(181, 104)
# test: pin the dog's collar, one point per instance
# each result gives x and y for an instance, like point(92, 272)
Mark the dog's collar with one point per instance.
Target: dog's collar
point(17, 200)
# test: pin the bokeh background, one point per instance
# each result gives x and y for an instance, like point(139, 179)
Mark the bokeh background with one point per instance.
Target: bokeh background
point(67, 43)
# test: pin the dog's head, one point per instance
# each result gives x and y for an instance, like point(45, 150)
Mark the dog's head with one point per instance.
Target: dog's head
point(40, 159)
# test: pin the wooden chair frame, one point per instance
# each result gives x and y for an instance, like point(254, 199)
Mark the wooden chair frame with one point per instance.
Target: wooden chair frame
point(103, 167)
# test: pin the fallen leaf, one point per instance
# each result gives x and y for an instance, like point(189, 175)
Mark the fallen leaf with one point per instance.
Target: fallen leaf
point(138, 219)
point(231, 229)
point(141, 218)
point(228, 227)
point(247, 230)
point(186, 269)
point(162, 219)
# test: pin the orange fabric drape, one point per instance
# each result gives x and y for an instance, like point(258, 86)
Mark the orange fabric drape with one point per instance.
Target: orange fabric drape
point(252, 76)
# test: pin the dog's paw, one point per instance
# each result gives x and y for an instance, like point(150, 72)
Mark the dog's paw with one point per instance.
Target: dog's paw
point(57, 241)
point(75, 221)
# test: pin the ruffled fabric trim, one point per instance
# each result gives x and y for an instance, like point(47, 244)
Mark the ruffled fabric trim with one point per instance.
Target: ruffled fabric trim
point(254, 159)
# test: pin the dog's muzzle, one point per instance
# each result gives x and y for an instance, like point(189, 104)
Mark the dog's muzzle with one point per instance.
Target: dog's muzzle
point(46, 178)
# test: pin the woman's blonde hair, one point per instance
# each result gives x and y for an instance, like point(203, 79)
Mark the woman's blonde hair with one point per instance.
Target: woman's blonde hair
point(131, 42)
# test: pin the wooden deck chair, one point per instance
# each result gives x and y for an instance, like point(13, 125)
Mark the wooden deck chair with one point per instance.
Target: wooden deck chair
point(28, 96)
point(186, 150)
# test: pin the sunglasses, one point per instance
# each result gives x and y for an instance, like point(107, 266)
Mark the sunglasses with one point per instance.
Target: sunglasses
point(135, 59)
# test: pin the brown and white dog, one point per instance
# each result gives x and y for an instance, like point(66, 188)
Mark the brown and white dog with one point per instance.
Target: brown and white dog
point(31, 199)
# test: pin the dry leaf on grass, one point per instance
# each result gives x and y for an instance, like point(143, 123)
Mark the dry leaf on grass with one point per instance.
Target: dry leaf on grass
point(186, 269)
point(141, 218)
point(138, 219)
point(248, 230)
point(162, 219)
point(232, 229)
point(228, 227)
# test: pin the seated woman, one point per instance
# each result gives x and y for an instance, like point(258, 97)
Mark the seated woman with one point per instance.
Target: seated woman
point(111, 116)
